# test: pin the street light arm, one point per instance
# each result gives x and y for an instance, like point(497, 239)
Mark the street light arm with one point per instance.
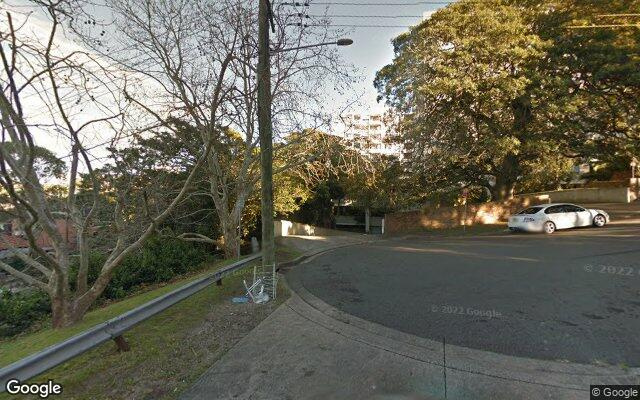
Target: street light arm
point(339, 42)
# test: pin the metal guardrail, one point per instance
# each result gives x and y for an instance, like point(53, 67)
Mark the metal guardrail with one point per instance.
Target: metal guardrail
point(52, 356)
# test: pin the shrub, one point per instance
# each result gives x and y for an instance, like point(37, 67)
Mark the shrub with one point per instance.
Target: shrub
point(19, 311)
point(159, 260)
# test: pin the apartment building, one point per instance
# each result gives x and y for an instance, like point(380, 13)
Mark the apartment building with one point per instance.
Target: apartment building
point(369, 133)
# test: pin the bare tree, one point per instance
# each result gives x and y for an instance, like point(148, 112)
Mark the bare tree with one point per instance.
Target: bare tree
point(179, 44)
point(58, 91)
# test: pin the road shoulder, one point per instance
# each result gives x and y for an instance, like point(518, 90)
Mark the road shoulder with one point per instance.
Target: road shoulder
point(308, 349)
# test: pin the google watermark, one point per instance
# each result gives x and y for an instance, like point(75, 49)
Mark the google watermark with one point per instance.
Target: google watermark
point(617, 392)
point(446, 309)
point(42, 390)
point(612, 270)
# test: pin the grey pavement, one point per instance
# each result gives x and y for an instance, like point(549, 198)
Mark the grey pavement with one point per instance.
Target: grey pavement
point(572, 296)
point(368, 321)
point(309, 350)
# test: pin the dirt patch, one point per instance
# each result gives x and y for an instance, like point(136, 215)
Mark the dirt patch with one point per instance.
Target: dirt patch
point(169, 351)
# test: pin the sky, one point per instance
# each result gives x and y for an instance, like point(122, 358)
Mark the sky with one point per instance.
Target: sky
point(372, 47)
point(372, 24)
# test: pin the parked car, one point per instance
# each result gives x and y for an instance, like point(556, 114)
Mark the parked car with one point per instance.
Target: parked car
point(548, 218)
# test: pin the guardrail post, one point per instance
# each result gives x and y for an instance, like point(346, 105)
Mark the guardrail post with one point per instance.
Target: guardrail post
point(121, 343)
point(52, 356)
point(219, 282)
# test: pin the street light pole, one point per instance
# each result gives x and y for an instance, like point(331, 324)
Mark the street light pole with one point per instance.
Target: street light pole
point(265, 18)
point(266, 140)
point(339, 42)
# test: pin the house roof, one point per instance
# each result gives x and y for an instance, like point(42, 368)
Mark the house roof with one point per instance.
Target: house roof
point(8, 241)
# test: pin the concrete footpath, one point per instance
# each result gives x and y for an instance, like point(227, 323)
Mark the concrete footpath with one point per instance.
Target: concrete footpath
point(307, 349)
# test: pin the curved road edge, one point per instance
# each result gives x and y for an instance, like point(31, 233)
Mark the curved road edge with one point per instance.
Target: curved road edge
point(461, 360)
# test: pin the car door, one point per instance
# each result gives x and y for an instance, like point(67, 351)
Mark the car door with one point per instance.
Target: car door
point(572, 215)
point(553, 214)
point(559, 216)
point(583, 216)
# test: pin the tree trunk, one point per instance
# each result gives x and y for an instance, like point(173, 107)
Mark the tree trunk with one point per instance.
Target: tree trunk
point(503, 190)
point(506, 179)
point(230, 233)
point(510, 169)
point(64, 312)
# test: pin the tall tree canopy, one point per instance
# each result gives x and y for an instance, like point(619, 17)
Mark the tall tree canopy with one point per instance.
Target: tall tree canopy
point(594, 74)
point(502, 94)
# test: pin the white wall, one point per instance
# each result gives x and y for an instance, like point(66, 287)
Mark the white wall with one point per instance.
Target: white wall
point(287, 228)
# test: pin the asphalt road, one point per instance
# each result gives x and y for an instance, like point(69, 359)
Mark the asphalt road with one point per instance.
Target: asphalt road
point(572, 296)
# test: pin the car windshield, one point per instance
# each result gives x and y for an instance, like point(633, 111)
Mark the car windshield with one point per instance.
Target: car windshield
point(530, 210)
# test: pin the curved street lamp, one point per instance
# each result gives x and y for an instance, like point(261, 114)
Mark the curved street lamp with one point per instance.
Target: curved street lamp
point(339, 42)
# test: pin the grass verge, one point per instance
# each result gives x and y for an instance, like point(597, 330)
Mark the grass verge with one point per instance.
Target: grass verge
point(168, 351)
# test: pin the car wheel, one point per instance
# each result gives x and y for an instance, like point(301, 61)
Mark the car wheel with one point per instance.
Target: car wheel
point(549, 227)
point(599, 220)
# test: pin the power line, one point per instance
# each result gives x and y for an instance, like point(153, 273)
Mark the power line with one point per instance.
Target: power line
point(361, 16)
point(603, 26)
point(417, 3)
point(617, 15)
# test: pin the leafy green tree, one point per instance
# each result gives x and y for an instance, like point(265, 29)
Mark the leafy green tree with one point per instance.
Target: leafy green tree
point(383, 187)
point(336, 171)
point(464, 85)
point(593, 76)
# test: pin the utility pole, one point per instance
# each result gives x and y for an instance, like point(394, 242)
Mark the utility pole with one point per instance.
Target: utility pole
point(266, 141)
point(265, 18)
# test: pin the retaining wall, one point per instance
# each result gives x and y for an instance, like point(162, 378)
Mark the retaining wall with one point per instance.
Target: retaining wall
point(591, 195)
point(448, 217)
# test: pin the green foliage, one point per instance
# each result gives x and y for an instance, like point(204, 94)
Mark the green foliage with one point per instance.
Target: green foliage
point(470, 71)
point(502, 94)
point(46, 164)
point(382, 187)
point(546, 173)
point(159, 260)
point(318, 209)
point(19, 311)
point(593, 76)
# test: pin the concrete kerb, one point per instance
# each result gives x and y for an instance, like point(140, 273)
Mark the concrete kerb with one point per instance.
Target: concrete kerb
point(550, 374)
point(288, 264)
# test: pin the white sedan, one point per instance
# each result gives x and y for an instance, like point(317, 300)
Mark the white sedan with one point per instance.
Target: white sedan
point(548, 218)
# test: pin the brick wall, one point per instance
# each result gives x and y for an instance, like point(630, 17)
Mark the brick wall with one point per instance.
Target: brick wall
point(447, 217)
